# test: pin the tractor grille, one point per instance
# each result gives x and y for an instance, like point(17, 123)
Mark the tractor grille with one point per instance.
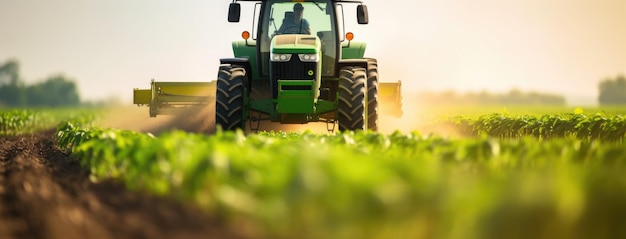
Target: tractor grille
point(293, 70)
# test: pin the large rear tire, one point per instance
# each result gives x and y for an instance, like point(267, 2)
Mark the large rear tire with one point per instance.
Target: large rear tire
point(372, 94)
point(351, 108)
point(229, 97)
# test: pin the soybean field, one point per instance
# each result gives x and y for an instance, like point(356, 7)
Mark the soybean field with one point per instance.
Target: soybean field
point(514, 173)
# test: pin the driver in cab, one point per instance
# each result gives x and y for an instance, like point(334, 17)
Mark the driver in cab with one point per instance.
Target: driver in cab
point(295, 24)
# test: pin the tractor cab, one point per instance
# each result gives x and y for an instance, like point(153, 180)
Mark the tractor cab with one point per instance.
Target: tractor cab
point(282, 20)
point(317, 18)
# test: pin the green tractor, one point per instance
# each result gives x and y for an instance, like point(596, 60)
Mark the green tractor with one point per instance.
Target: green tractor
point(299, 67)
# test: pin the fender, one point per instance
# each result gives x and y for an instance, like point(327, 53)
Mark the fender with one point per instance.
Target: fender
point(245, 62)
point(350, 62)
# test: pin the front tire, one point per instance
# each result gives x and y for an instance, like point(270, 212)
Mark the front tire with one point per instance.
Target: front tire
point(372, 94)
point(229, 97)
point(351, 108)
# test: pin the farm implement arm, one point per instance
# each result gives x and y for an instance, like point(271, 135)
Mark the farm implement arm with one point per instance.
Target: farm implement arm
point(390, 97)
point(166, 98)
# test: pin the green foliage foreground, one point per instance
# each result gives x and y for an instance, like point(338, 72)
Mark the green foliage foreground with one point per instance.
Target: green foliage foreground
point(370, 185)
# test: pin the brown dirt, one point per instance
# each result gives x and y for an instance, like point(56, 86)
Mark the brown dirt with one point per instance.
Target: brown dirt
point(45, 194)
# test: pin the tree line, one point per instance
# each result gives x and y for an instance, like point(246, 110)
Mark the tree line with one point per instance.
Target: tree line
point(513, 97)
point(612, 91)
point(54, 91)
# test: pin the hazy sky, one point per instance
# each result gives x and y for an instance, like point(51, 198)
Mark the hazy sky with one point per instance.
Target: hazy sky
point(113, 46)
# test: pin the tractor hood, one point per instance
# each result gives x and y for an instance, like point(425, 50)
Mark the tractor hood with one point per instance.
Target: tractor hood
point(295, 44)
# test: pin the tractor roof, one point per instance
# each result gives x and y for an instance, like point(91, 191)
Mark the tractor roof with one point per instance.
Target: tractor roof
point(350, 1)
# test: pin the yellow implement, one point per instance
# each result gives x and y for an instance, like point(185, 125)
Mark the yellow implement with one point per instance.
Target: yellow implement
point(390, 96)
point(165, 98)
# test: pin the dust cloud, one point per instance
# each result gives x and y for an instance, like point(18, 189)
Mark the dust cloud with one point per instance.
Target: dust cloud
point(416, 117)
point(199, 119)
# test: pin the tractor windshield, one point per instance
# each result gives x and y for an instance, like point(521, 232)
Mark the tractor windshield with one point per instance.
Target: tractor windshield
point(310, 17)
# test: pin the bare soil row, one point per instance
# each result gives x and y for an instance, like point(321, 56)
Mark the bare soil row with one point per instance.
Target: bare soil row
point(45, 194)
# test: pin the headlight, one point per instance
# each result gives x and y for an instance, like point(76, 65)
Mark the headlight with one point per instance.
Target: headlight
point(281, 57)
point(308, 57)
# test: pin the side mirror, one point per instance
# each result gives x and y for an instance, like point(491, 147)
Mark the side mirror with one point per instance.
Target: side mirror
point(361, 14)
point(234, 12)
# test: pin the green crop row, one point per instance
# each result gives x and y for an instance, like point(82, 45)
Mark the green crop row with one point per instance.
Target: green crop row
point(15, 122)
point(370, 185)
point(25, 121)
point(582, 126)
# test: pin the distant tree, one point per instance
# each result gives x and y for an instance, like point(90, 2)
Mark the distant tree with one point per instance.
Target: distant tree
point(515, 96)
point(612, 91)
point(54, 92)
point(9, 73)
point(11, 88)
point(12, 96)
